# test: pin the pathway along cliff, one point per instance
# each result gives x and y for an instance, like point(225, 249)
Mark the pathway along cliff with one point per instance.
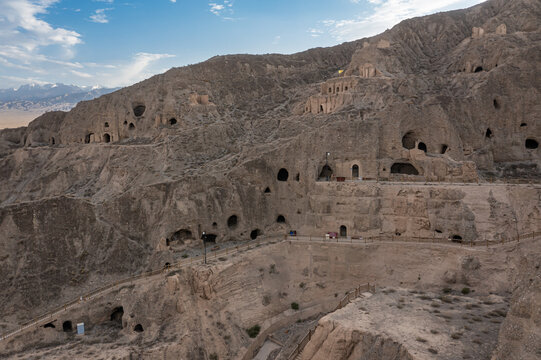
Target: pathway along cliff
point(431, 131)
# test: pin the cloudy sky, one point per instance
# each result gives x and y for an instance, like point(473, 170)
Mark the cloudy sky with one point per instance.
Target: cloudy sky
point(119, 42)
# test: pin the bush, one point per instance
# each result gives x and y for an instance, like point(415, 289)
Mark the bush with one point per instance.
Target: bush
point(447, 290)
point(466, 291)
point(294, 306)
point(302, 285)
point(184, 256)
point(253, 331)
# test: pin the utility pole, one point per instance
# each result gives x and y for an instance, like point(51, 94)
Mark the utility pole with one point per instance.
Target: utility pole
point(204, 237)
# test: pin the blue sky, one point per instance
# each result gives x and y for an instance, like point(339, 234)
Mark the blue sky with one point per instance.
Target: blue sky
point(119, 42)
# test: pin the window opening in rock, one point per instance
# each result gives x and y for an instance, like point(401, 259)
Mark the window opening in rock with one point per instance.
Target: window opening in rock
point(283, 175)
point(337, 89)
point(298, 177)
point(330, 90)
point(232, 221)
point(125, 122)
point(139, 110)
point(496, 104)
point(478, 69)
point(355, 171)
point(422, 146)
point(404, 168)
point(67, 326)
point(106, 124)
point(531, 144)
point(281, 219)
point(87, 138)
point(117, 314)
point(321, 108)
point(106, 138)
point(444, 149)
point(343, 231)
point(172, 121)
point(488, 133)
point(326, 173)
point(138, 328)
point(523, 125)
point(254, 234)
point(52, 141)
point(438, 231)
point(457, 238)
point(408, 140)
point(131, 127)
point(49, 325)
point(214, 224)
point(346, 88)
point(267, 190)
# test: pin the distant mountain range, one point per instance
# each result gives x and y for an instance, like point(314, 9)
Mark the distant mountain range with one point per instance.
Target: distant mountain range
point(48, 97)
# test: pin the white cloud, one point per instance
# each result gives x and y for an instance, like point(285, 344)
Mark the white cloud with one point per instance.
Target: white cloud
point(81, 74)
point(173, 1)
point(138, 69)
point(223, 9)
point(100, 16)
point(315, 32)
point(387, 13)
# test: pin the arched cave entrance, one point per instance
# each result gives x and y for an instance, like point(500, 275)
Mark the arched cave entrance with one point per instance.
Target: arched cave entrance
point(321, 108)
point(172, 121)
point(478, 69)
point(355, 171)
point(488, 133)
point(267, 190)
point(283, 175)
point(343, 231)
point(106, 138)
point(138, 328)
point(408, 140)
point(116, 315)
point(232, 222)
point(326, 173)
point(281, 219)
point(523, 125)
point(87, 138)
point(531, 144)
point(298, 177)
point(254, 234)
point(139, 110)
point(49, 325)
point(444, 149)
point(125, 122)
point(53, 141)
point(106, 124)
point(404, 168)
point(422, 146)
point(181, 236)
point(131, 127)
point(456, 238)
point(496, 104)
point(67, 326)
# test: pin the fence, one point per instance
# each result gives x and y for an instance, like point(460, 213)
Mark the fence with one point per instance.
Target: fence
point(47, 317)
point(352, 295)
point(413, 239)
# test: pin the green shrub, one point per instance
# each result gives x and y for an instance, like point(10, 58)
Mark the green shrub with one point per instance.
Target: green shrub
point(466, 291)
point(294, 306)
point(184, 256)
point(253, 331)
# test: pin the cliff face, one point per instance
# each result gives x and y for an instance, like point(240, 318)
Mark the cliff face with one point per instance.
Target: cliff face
point(452, 97)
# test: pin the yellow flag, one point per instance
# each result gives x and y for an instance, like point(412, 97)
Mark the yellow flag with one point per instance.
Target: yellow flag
point(340, 72)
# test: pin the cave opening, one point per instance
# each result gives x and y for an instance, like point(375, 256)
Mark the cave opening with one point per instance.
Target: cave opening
point(326, 173)
point(343, 231)
point(531, 144)
point(404, 168)
point(49, 325)
point(456, 238)
point(172, 121)
point(408, 140)
point(53, 141)
point(523, 125)
point(444, 148)
point(355, 171)
point(87, 138)
point(106, 138)
point(283, 175)
point(321, 108)
point(139, 110)
point(496, 104)
point(67, 326)
point(131, 127)
point(181, 236)
point(232, 221)
point(422, 146)
point(267, 190)
point(281, 219)
point(254, 234)
point(488, 133)
point(138, 328)
point(106, 124)
point(116, 315)
point(478, 69)
point(298, 177)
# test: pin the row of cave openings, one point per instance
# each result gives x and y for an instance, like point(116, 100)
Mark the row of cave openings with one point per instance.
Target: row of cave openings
point(115, 320)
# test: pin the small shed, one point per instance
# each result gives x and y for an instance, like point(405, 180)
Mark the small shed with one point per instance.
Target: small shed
point(81, 329)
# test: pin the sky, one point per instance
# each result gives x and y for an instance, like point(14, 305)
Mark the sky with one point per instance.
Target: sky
point(115, 43)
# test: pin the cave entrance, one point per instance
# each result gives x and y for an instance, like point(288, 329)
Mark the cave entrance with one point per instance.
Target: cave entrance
point(172, 121)
point(232, 222)
point(87, 138)
point(106, 124)
point(343, 231)
point(106, 138)
point(139, 110)
point(267, 190)
point(321, 108)
point(326, 173)
point(131, 127)
point(408, 140)
point(67, 326)
point(180, 236)
point(283, 175)
point(116, 315)
point(138, 328)
point(52, 141)
point(404, 168)
point(49, 325)
point(456, 238)
point(531, 144)
point(478, 69)
point(488, 133)
point(422, 146)
point(355, 171)
point(254, 234)
point(281, 219)
point(444, 149)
